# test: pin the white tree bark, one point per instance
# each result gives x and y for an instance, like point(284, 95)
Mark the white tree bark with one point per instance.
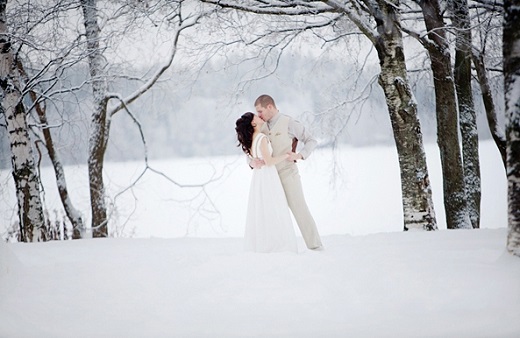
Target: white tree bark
point(73, 214)
point(511, 51)
point(418, 209)
point(27, 181)
point(467, 113)
point(100, 122)
point(102, 115)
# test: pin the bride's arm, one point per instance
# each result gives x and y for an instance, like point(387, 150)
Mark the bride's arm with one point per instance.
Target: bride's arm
point(266, 154)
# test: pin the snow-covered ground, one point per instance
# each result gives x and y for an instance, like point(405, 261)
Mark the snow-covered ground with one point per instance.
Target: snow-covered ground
point(441, 284)
point(184, 274)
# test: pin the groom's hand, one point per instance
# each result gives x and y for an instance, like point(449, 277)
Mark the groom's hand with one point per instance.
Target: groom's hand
point(294, 156)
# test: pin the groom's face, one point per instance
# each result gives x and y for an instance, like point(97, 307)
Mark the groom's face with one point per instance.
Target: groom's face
point(265, 113)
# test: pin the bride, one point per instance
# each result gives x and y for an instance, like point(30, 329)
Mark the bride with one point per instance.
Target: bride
point(268, 224)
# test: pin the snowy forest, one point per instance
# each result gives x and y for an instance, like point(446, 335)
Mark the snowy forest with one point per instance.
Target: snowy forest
point(91, 81)
point(123, 190)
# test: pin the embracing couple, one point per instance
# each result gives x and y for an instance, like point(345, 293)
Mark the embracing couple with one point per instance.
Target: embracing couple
point(269, 138)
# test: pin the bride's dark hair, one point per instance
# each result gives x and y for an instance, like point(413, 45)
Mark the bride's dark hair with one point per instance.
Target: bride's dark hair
point(245, 131)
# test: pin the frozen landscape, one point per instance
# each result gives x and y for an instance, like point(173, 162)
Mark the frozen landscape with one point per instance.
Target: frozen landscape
point(178, 268)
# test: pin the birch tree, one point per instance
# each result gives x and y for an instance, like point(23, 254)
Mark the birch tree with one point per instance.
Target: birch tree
point(52, 44)
point(27, 181)
point(467, 113)
point(100, 122)
point(418, 210)
point(175, 15)
point(511, 52)
point(38, 103)
point(43, 57)
point(436, 44)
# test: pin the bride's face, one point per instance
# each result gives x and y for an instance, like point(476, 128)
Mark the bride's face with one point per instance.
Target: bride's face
point(257, 121)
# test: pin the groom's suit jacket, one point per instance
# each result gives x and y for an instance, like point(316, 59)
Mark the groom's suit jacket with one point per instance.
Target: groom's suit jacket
point(281, 141)
point(284, 133)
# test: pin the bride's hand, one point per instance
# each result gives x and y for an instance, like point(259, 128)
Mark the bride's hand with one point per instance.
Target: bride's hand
point(257, 163)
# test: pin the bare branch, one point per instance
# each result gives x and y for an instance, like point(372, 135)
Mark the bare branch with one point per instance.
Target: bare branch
point(355, 17)
point(275, 7)
point(193, 20)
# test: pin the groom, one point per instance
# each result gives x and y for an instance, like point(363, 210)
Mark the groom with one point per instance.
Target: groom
point(284, 133)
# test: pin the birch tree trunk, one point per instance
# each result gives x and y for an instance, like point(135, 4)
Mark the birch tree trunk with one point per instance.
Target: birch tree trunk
point(100, 121)
point(511, 52)
point(101, 117)
point(418, 210)
point(446, 110)
point(72, 213)
point(468, 116)
point(27, 181)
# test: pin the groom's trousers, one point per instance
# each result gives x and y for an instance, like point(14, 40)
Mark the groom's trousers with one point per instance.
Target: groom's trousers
point(292, 185)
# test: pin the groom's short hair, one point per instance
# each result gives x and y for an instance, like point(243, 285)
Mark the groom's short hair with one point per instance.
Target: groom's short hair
point(264, 100)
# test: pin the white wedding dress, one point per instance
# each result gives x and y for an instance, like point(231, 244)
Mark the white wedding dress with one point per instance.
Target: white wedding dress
point(269, 226)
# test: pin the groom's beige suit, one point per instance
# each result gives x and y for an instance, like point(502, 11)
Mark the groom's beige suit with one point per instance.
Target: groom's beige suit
point(282, 130)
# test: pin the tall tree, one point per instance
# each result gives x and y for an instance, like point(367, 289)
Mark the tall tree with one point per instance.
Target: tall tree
point(38, 102)
point(44, 58)
point(467, 113)
point(418, 210)
point(173, 13)
point(457, 216)
point(26, 178)
point(511, 52)
point(100, 122)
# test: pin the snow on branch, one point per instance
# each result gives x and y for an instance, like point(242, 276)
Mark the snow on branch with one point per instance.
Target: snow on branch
point(491, 5)
point(275, 7)
point(355, 14)
point(421, 38)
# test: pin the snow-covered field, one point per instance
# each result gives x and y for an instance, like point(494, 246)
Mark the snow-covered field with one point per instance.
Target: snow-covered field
point(354, 191)
point(443, 284)
point(184, 274)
